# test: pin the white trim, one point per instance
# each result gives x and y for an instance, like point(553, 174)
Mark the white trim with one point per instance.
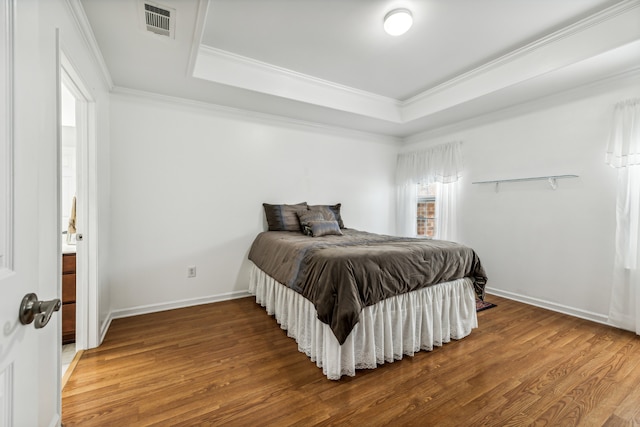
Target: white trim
point(256, 116)
point(590, 37)
point(55, 420)
point(260, 67)
point(228, 68)
point(93, 215)
point(154, 308)
point(83, 25)
point(580, 26)
point(105, 328)
point(7, 17)
point(201, 18)
point(544, 61)
point(549, 305)
point(87, 330)
point(256, 68)
point(58, 277)
point(547, 101)
point(6, 396)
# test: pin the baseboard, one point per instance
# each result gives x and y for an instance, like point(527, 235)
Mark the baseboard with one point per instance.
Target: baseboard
point(153, 308)
point(105, 328)
point(71, 367)
point(560, 308)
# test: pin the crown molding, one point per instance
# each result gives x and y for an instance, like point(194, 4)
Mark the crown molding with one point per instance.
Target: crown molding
point(224, 67)
point(576, 45)
point(589, 37)
point(578, 27)
point(274, 69)
point(621, 79)
point(611, 82)
point(196, 40)
point(83, 25)
point(270, 119)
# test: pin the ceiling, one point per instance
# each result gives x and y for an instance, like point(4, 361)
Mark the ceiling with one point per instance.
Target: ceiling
point(329, 62)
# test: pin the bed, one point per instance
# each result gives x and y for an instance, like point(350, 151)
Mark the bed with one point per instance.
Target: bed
point(355, 300)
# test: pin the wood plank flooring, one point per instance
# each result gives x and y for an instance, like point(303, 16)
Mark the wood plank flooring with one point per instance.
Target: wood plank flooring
point(230, 364)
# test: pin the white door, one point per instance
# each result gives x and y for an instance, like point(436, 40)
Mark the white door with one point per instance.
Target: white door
point(29, 241)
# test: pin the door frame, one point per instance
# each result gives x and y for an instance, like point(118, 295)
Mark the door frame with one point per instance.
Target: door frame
point(87, 314)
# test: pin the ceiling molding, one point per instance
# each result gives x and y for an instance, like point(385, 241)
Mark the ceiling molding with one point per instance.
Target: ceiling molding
point(580, 26)
point(84, 27)
point(198, 31)
point(573, 56)
point(274, 69)
point(570, 45)
point(270, 119)
point(228, 68)
point(622, 79)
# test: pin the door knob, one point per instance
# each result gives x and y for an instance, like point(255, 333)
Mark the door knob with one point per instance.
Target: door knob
point(32, 309)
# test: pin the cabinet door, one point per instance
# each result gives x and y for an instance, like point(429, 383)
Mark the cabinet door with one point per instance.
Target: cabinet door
point(68, 323)
point(68, 288)
point(68, 263)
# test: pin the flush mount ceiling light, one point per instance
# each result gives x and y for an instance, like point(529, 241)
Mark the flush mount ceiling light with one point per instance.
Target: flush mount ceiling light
point(398, 21)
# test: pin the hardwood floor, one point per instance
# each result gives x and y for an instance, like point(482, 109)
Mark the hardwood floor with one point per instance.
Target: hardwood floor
point(230, 364)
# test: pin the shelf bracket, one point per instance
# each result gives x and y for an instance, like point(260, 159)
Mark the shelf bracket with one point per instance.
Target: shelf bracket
point(552, 180)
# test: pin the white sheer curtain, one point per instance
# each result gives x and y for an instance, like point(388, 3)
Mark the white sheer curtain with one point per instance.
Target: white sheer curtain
point(407, 208)
point(623, 153)
point(441, 164)
point(446, 207)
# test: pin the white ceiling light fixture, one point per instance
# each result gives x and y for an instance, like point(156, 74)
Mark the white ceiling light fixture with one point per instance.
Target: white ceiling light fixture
point(398, 21)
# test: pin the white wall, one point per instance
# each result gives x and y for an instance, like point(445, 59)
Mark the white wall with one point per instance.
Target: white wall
point(75, 47)
point(188, 183)
point(550, 248)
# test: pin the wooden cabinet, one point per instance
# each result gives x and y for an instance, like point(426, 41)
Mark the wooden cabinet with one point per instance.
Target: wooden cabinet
point(68, 298)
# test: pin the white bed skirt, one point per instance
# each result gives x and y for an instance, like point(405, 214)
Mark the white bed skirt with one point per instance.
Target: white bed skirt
point(397, 326)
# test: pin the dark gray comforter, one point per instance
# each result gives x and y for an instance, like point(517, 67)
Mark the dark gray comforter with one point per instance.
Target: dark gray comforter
point(341, 275)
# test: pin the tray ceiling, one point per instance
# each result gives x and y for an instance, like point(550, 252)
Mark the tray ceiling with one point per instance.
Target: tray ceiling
point(330, 62)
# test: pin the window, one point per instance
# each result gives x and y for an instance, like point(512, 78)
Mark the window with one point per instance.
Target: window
point(426, 218)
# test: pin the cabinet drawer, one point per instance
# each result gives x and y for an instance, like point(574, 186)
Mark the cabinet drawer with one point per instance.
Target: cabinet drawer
point(68, 263)
point(68, 323)
point(68, 288)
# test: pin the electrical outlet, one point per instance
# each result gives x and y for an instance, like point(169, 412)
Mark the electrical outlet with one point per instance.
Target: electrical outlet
point(191, 271)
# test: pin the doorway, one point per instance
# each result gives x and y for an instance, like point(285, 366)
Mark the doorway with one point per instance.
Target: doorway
point(77, 202)
point(68, 213)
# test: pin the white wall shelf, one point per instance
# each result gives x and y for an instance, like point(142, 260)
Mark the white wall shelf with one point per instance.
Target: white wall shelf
point(552, 179)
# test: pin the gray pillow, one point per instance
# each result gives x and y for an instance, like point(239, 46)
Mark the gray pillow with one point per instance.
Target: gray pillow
point(306, 217)
point(283, 217)
point(329, 212)
point(325, 228)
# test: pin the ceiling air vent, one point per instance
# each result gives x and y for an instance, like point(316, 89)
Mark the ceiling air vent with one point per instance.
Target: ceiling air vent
point(159, 19)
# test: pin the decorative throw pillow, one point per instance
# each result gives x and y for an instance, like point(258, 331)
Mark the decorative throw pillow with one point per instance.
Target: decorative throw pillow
point(283, 217)
point(306, 217)
point(329, 212)
point(325, 228)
